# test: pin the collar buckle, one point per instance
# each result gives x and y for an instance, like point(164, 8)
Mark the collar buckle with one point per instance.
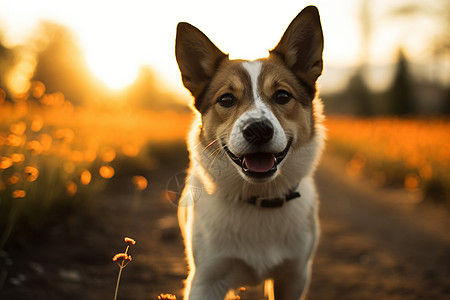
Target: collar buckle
point(265, 202)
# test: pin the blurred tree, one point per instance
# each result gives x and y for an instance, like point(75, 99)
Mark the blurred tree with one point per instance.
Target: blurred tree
point(145, 93)
point(439, 11)
point(400, 95)
point(61, 65)
point(359, 94)
point(365, 19)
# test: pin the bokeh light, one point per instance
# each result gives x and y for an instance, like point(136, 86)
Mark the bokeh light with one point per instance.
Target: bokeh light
point(106, 172)
point(140, 182)
point(85, 177)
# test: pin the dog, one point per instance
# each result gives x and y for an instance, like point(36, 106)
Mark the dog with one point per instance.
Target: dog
point(254, 218)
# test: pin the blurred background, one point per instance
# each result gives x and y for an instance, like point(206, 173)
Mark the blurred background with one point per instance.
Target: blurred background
point(91, 102)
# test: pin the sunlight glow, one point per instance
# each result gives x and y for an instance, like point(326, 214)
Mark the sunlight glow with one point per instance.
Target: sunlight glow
point(118, 37)
point(116, 73)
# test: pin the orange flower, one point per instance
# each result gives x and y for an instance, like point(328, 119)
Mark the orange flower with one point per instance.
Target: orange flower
point(167, 296)
point(31, 173)
point(122, 259)
point(17, 157)
point(19, 194)
point(5, 162)
point(129, 241)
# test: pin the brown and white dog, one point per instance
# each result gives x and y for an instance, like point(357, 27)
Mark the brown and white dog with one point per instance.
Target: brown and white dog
point(253, 151)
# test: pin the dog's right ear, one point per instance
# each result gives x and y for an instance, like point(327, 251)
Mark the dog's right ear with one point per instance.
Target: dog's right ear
point(197, 57)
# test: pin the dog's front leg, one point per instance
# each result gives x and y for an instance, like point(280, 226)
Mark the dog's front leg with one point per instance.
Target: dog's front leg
point(292, 284)
point(199, 287)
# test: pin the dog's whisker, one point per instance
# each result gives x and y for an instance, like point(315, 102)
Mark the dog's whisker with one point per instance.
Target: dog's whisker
point(209, 145)
point(215, 151)
point(215, 157)
point(198, 144)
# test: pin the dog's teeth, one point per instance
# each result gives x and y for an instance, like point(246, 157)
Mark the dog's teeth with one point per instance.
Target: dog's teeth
point(244, 165)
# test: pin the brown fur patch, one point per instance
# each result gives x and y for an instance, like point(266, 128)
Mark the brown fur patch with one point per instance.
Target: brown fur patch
point(217, 121)
point(296, 115)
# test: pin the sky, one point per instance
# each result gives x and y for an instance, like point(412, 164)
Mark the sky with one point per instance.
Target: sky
point(118, 37)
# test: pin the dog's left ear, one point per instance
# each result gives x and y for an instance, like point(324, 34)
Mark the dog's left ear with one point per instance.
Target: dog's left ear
point(301, 46)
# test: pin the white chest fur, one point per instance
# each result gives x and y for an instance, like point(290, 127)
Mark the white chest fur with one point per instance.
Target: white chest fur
point(261, 237)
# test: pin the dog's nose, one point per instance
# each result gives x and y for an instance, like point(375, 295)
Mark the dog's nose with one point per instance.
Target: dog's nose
point(258, 132)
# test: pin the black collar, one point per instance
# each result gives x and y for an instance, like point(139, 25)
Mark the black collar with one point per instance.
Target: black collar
point(273, 202)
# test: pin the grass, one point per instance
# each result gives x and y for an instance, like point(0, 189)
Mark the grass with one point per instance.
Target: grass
point(55, 156)
point(409, 153)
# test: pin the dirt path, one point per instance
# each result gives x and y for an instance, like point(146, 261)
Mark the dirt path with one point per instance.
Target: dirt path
point(378, 244)
point(375, 244)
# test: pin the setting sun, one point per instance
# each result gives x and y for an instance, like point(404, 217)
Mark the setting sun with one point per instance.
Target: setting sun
point(114, 73)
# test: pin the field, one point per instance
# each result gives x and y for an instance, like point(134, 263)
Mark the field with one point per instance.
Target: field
point(56, 157)
point(74, 180)
point(409, 153)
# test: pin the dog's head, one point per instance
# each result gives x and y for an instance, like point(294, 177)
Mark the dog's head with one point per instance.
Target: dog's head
point(257, 111)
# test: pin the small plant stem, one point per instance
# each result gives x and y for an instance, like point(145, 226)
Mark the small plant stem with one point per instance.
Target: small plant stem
point(117, 284)
point(120, 274)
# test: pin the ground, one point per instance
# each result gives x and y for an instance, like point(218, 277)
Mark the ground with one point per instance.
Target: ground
point(375, 244)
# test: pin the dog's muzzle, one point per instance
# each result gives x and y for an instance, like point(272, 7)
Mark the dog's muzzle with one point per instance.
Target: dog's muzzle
point(259, 164)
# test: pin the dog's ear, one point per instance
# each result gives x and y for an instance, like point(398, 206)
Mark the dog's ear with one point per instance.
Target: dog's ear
point(197, 57)
point(301, 46)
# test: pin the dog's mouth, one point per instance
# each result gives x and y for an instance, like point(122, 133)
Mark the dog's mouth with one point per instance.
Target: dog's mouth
point(259, 164)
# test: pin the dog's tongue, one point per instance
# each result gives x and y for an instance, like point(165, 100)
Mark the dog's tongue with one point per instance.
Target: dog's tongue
point(259, 162)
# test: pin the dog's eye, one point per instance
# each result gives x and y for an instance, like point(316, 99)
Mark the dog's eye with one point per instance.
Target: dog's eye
point(227, 100)
point(281, 97)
